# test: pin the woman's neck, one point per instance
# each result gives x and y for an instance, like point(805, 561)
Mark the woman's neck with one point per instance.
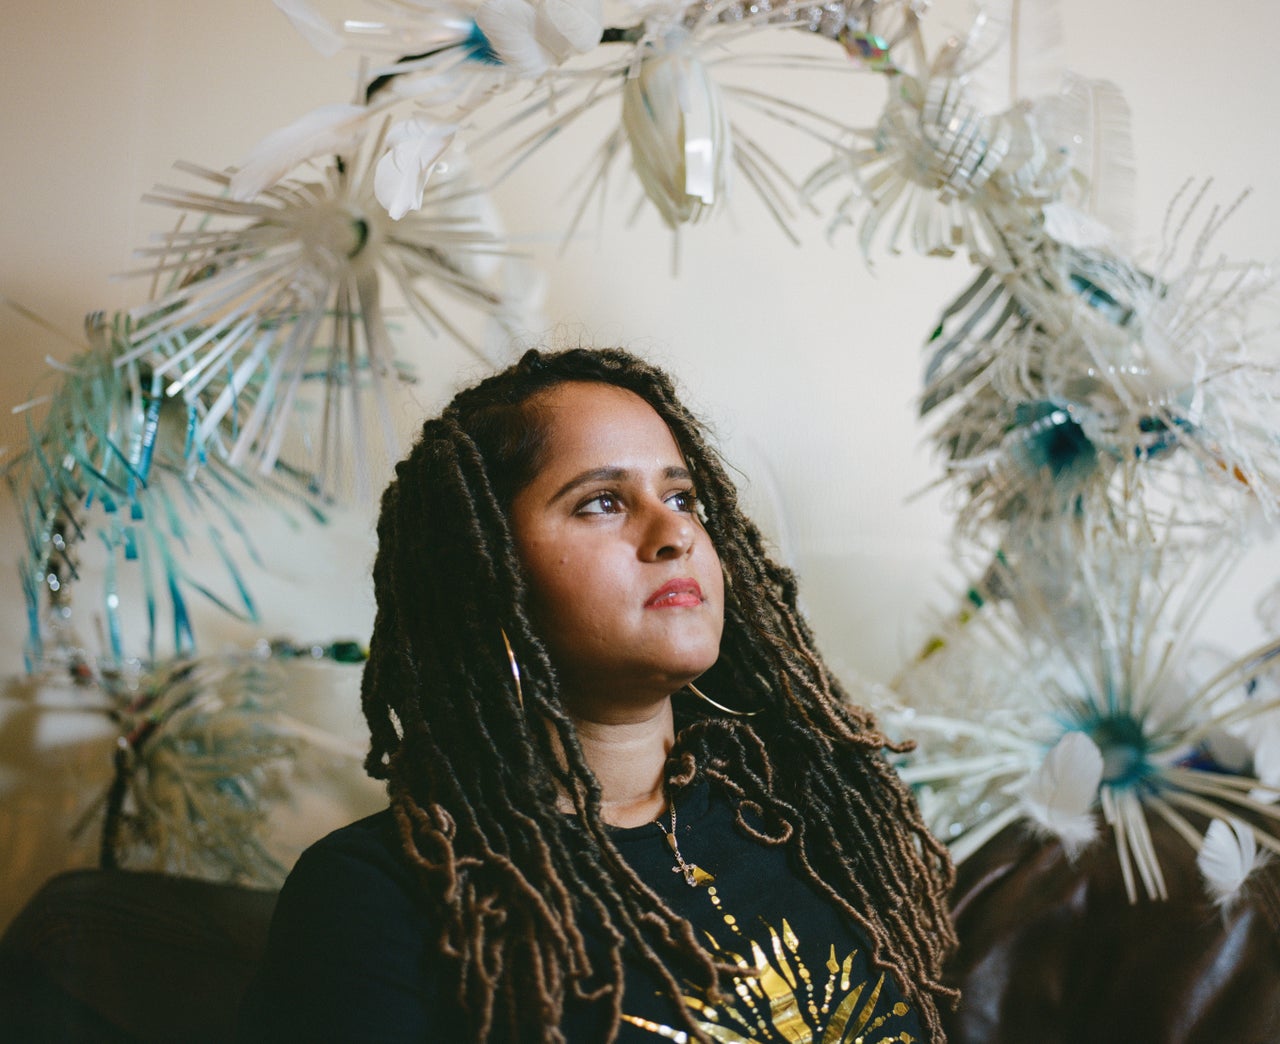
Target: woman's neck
point(627, 757)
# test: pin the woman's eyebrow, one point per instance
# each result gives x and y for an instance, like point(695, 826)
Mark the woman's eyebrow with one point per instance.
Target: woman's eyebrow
point(612, 474)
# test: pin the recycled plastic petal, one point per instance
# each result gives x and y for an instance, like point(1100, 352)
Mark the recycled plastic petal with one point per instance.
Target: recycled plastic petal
point(680, 141)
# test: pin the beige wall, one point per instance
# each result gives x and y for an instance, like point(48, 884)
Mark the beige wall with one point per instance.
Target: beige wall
point(805, 361)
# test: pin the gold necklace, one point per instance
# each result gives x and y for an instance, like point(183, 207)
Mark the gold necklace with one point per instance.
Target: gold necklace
point(694, 875)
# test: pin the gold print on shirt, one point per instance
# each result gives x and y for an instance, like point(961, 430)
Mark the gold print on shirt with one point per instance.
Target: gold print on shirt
point(776, 998)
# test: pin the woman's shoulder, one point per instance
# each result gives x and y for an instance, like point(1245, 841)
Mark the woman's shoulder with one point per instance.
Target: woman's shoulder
point(370, 838)
point(361, 863)
point(346, 956)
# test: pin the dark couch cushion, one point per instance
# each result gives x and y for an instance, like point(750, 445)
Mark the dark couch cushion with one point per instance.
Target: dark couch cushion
point(1053, 952)
point(114, 955)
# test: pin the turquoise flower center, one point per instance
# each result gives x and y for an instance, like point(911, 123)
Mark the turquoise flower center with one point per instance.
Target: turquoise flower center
point(1124, 748)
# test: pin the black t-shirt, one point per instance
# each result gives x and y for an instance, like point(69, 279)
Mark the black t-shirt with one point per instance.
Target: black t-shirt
point(350, 955)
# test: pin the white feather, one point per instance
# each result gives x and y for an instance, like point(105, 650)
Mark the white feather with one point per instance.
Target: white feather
point(1018, 53)
point(312, 26)
point(328, 130)
point(508, 25)
point(415, 147)
point(1059, 796)
point(1227, 858)
point(1091, 120)
point(569, 27)
point(531, 38)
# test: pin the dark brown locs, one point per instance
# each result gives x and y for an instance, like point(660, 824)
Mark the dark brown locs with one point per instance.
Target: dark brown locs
point(474, 781)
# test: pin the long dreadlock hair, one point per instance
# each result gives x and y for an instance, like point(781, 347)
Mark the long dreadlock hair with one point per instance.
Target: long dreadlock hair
point(474, 774)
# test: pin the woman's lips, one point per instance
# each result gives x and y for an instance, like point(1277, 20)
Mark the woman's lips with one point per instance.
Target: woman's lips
point(676, 593)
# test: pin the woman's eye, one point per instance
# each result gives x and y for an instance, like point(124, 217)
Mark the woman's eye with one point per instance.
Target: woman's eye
point(685, 500)
point(601, 504)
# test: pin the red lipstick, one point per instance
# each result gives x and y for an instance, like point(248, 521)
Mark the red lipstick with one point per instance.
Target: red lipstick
point(676, 593)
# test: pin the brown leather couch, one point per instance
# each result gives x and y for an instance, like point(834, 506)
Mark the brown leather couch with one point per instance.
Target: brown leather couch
point(1051, 953)
point(1054, 953)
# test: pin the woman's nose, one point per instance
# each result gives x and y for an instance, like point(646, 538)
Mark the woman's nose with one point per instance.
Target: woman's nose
point(668, 534)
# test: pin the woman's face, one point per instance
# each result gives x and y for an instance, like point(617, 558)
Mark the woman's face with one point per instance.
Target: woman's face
point(628, 593)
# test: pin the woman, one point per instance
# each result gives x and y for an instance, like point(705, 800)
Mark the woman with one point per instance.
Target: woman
point(581, 846)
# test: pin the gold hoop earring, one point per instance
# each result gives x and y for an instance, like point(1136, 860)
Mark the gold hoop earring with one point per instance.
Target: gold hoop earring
point(515, 667)
point(720, 706)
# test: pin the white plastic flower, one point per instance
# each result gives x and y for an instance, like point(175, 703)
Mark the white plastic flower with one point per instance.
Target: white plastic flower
point(285, 291)
point(954, 165)
point(1075, 703)
point(1086, 377)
